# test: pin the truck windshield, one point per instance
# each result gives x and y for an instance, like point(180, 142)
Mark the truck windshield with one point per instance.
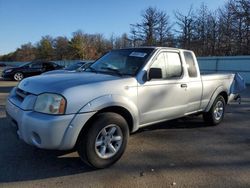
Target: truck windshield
point(122, 62)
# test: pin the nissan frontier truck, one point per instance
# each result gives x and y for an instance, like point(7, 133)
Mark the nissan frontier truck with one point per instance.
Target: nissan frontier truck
point(95, 111)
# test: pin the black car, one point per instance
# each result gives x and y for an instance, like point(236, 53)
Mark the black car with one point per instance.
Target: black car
point(2, 65)
point(75, 67)
point(29, 69)
point(79, 66)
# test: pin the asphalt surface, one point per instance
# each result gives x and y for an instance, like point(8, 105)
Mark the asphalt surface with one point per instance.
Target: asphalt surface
point(180, 153)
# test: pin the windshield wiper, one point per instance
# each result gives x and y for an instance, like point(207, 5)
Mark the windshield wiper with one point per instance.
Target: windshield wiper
point(113, 70)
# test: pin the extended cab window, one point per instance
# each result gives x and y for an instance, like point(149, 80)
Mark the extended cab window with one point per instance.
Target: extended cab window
point(192, 72)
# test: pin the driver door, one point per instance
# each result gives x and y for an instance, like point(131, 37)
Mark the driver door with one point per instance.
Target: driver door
point(164, 98)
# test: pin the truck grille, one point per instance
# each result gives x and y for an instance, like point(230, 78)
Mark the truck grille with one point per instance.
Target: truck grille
point(21, 94)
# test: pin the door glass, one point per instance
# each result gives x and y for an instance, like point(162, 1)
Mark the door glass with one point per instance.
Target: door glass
point(159, 62)
point(36, 66)
point(48, 66)
point(173, 67)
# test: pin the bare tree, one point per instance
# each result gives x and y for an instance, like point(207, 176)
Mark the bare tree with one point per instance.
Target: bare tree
point(185, 29)
point(241, 25)
point(135, 37)
point(165, 37)
point(212, 33)
point(153, 28)
point(226, 32)
point(200, 30)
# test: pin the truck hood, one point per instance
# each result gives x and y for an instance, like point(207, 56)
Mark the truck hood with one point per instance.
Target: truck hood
point(59, 71)
point(57, 83)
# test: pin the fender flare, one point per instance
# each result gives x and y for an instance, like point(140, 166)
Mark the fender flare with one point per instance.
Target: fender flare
point(216, 92)
point(105, 101)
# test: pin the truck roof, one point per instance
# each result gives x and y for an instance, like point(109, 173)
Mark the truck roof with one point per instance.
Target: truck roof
point(156, 47)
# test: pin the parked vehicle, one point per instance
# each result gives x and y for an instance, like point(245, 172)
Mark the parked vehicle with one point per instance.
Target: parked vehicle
point(29, 69)
point(2, 65)
point(75, 67)
point(121, 92)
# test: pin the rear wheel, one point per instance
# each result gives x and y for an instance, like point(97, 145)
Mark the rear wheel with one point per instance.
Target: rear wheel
point(216, 114)
point(104, 141)
point(18, 76)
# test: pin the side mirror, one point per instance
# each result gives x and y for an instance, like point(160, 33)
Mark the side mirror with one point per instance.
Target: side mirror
point(154, 73)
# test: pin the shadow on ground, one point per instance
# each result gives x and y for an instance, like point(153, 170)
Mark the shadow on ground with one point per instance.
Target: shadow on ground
point(20, 162)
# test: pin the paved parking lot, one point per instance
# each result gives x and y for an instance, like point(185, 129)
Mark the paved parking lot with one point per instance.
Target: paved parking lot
point(180, 153)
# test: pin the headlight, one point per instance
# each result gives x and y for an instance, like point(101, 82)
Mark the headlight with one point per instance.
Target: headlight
point(9, 70)
point(50, 104)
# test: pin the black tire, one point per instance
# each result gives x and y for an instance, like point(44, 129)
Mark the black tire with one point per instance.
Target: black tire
point(210, 117)
point(18, 76)
point(86, 146)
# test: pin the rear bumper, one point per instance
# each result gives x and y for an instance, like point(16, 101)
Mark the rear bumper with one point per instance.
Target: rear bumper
point(46, 131)
point(234, 98)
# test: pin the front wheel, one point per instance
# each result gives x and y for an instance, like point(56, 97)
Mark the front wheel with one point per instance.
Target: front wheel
point(216, 114)
point(104, 141)
point(18, 76)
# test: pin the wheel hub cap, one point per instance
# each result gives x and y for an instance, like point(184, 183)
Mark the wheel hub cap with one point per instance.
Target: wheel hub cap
point(108, 141)
point(18, 76)
point(218, 110)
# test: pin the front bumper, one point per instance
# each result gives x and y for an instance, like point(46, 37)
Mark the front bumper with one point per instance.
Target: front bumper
point(46, 131)
point(7, 75)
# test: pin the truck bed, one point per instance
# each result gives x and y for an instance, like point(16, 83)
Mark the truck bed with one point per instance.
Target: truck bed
point(211, 82)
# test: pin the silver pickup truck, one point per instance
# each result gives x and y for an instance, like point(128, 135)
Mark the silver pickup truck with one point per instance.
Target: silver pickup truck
point(96, 110)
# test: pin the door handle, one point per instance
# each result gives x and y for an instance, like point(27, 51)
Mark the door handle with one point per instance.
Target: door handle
point(184, 85)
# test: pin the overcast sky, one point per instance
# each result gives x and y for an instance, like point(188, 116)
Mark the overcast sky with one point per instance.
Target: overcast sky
point(23, 21)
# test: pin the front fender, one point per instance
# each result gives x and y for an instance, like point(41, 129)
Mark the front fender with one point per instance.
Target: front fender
point(105, 101)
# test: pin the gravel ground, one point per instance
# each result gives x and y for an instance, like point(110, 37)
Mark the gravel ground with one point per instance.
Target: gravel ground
point(180, 153)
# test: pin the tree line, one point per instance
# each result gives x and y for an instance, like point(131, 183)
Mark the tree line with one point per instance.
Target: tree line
point(223, 32)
